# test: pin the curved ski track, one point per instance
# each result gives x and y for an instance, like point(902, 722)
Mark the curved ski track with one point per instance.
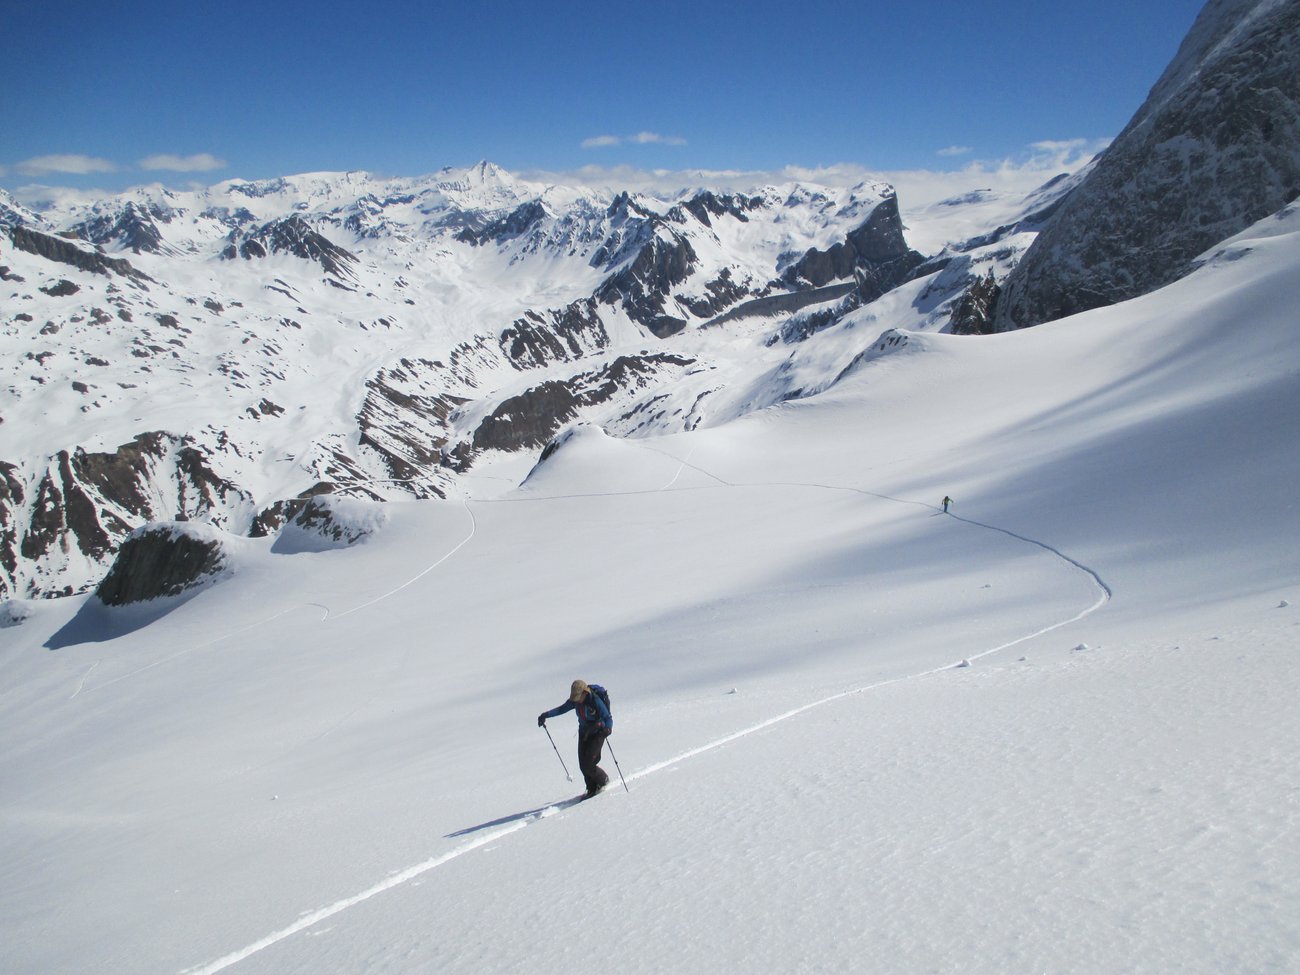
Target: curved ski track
point(312, 918)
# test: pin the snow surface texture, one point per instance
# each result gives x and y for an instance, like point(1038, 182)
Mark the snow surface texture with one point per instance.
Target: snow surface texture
point(329, 761)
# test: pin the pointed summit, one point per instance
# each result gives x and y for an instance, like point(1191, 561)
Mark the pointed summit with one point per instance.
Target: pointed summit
point(14, 214)
point(488, 172)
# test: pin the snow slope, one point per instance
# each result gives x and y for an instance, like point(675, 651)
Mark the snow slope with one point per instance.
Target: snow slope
point(329, 761)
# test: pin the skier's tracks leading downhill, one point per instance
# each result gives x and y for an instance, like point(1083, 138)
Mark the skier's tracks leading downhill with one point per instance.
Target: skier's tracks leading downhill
point(487, 834)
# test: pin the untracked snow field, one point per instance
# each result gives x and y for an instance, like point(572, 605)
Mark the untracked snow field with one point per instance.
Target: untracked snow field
point(1053, 730)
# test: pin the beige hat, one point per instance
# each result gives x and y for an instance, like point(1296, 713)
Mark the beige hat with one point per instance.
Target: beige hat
point(578, 691)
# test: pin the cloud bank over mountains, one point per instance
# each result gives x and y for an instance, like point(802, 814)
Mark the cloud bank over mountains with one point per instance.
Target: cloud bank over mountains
point(1041, 160)
point(921, 187)
point(78, 164)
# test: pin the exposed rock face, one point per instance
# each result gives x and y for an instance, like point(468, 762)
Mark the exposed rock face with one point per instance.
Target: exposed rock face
point(532, 418)
point(329, 522)
point(65, 252)
point(133, 228)
point(86, 502)
point(1215, 148)
point(514, 224)
point(11, 500)
point(61, 289)
point(539, 339)
point(162, 560)
point(14, 214)
point(404, 419)
point(722, 292)
point(293, 235)
point(275, 516)
point(973, 312)
point(705, 203)
point(644, 286)
point(875, 253)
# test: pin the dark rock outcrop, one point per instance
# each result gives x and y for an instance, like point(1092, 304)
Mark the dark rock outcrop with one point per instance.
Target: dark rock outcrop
point(329, 522)
point(84, 503)
point(875, 254)
point(14, 214)
point(1215, 148)
point(11, 498)
point(514, 224)
point(530, 419)
point(722, 293)
point(973, 312)
point(162, 560)
point(404, 419)
point(664, 262)
point(707, 204)
point(64, 251)
point(63, 288)
point(133, 228)
point(539, 339)
point(276, 515)
point(293, 235)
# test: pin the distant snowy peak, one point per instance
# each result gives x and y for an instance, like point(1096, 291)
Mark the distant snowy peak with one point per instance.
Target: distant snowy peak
point(485, 186)
point(14, 214)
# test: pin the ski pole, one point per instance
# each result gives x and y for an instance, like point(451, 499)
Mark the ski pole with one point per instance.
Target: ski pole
point(617, 766)
point(558, 755)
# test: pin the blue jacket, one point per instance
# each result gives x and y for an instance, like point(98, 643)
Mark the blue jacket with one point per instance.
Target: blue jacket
point(592, 713)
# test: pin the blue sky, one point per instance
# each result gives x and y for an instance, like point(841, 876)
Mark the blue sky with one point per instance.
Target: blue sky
point(110, 95)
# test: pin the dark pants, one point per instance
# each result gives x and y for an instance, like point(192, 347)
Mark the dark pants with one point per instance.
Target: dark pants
point(589, 748)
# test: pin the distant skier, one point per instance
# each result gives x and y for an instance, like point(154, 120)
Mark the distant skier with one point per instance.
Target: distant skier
point(595, 724)
point(946, 501)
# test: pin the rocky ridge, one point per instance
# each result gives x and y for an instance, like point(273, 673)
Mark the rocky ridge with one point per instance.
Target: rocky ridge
point(1215, 148)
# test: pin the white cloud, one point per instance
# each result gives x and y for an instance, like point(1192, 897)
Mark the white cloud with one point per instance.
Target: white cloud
point(68, 163)
point(654, 138)
point(202, 162)
point(37, 197)
point(1059, 145)
point(640, 139)
point(955, 151)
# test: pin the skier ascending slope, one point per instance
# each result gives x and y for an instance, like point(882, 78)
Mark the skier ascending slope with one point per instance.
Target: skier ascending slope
point(595, 724)
point(946, 501)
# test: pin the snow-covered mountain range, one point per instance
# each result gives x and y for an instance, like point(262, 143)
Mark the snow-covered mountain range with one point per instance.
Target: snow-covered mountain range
point(223, 354)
